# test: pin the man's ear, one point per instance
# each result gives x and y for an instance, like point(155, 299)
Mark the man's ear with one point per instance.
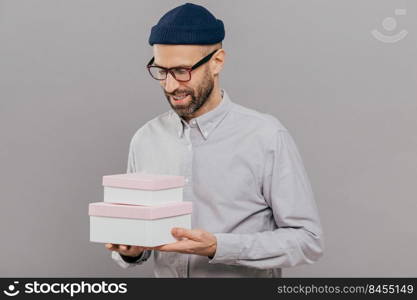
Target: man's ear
point(217, 62)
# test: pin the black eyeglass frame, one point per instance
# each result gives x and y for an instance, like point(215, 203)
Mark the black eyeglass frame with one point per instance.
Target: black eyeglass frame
point(189, 69)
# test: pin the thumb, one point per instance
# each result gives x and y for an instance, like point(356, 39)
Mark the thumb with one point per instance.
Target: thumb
point(176, 232)
point(179, 233)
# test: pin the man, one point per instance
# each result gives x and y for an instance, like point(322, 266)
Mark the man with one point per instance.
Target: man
point(253, 206)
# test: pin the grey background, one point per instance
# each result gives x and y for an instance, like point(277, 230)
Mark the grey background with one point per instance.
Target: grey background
point(73, 90)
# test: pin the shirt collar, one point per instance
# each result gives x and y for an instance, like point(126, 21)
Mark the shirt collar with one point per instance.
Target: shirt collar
point(208, 121)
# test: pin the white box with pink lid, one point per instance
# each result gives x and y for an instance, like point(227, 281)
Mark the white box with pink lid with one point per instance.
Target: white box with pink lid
point(139, 209)
point(143, 189)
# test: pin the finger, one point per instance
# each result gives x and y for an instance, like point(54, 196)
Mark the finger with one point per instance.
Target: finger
point(148, 248)
point(112, 246)
point(124, 247)
point(181, 246)
point(178, 233)
point(133, 250)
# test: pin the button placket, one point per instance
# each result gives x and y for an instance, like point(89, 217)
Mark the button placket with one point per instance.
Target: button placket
point(188, 159)
point(187, 191)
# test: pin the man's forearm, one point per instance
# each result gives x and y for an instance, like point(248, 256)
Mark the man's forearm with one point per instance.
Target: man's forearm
point(283, 247)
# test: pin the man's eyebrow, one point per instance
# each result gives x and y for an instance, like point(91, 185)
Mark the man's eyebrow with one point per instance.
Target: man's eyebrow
point(179, 66)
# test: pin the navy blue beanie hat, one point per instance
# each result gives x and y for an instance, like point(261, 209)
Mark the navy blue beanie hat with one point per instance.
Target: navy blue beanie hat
point(187, 24)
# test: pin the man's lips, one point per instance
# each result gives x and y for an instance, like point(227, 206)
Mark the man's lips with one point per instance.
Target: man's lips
point(181, 100)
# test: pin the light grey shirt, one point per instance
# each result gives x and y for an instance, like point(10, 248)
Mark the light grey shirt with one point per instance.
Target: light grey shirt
point(246, 180)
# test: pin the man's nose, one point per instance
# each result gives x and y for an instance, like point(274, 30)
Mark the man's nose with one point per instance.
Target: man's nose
point(171, 84)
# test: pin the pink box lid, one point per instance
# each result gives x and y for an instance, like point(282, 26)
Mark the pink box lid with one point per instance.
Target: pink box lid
point(105, 209)
point(143, 181)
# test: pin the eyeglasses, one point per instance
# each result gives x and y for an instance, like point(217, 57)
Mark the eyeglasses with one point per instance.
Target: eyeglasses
point(181, 74)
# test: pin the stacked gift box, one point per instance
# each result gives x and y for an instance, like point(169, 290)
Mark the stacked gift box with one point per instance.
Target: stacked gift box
point(139, 209)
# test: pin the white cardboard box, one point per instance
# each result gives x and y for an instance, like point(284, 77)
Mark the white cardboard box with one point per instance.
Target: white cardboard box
point(143, 189)
point(137, 225)
point(142, 197)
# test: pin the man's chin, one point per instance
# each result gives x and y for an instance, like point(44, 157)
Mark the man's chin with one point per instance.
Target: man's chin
point(180, 106)
point(181, 110)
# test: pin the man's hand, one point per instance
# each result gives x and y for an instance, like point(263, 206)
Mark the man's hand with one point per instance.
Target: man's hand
point(126, 250)
point(195, 241)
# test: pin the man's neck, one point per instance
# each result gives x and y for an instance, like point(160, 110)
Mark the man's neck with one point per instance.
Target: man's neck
point(211, 103)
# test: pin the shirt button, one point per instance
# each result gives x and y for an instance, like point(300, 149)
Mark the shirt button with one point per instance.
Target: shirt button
point(187, 180)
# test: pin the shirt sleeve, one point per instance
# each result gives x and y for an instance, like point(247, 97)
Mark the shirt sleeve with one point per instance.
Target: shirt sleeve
point(288, 193)
point(125, 261)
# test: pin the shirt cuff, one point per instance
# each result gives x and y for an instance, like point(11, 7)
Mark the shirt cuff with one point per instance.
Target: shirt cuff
point(131, 259)
point(228, 248)
point(127, 261)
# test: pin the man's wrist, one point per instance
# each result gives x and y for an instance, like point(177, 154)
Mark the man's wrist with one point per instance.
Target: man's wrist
point(213, 252)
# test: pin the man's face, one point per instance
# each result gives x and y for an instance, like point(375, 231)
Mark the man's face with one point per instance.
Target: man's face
point(185, 98)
